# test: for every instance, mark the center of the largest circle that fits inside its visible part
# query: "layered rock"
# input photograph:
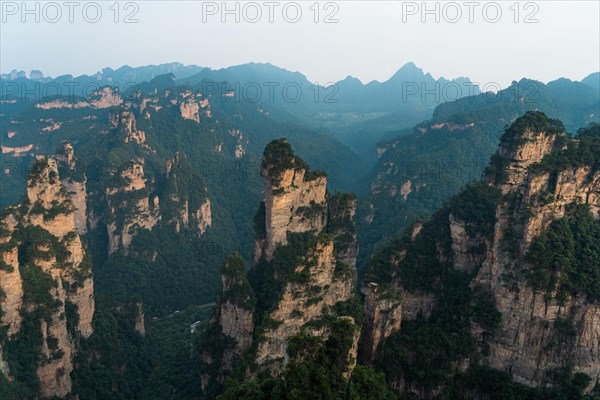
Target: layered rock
(75, 184)
(522, 145)
(190, 110)
(11, 282)
(41, 235)
(303, 277)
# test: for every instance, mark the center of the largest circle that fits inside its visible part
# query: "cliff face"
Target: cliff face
(292, 204)
(527, 341)
(296, 203)
(308, 298)
(541, 176)
(46, 276)
(129, 205)
(75, 187)
(303, 278)
(385, 310)
(136, 202)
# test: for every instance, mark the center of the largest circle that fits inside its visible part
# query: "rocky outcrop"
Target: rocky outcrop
(75, 184)
(140, 324)
(104, 98)
(340, 223)
(136, 202)
(185, 199)
(296, 202)
(129, 205)
(235, 310)
(383, 317)
(295, 198)
(78, 195)
(11, 283)
(40, 237)
(303, 287)
(521, 147)
(127, 124)
(467, 251)
(16, 151)
(191, 105)
(239, 146)
(385, 309)
(538, 176)
(527, 342)
(305, 300)
(202, 218)
(189, 109)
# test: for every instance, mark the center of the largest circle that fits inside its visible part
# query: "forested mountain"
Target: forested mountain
(335, 106)
(420, 169)
(495, 296)
(497, 293)
(168, 180)
(177, 239)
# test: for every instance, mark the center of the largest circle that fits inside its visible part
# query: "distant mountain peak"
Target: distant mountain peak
(408, 71)
(351, 80)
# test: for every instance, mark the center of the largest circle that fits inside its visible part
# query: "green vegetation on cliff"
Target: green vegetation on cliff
(534, 122)
(315, 372)
(420, 267)
(581, 151)
(566, 256)
(238, 290)
(279, 156)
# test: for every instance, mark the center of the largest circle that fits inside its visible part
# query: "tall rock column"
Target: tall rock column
(295, 197)
(46, 276)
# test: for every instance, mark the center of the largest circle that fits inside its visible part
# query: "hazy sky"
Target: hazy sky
(370, 40)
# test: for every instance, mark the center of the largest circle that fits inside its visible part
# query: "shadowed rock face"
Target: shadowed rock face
(232, 322)
(52, 213)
